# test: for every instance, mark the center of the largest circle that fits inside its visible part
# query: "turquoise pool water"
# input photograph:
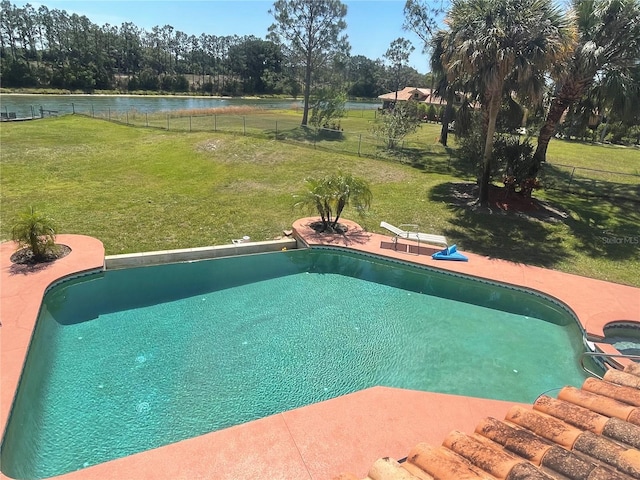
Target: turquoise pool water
(129, 360)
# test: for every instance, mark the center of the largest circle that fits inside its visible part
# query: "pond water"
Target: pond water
(30, 105)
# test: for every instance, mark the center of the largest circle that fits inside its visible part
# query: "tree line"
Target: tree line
(50, 48)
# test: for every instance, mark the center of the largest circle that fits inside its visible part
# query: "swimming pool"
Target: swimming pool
(125, 361)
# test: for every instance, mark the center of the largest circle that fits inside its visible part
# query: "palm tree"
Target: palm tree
(331, 194)
(608, 40)
(496, 40)
(615, 94)
(35, 231)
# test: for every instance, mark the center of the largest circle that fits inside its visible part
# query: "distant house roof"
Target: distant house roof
(424, 95)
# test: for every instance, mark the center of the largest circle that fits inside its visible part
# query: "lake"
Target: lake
(29, 105)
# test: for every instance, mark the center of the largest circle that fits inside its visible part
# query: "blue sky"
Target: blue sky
(371, 24)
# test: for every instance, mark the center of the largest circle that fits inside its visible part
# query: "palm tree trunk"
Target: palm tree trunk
(605, 128)
(446, 118)
(339, 208)
(485, 180)
(568, 94)
(556, 110)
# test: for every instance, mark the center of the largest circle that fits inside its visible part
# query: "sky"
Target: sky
(371, 24)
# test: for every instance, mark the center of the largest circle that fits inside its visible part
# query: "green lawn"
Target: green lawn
(139, 189)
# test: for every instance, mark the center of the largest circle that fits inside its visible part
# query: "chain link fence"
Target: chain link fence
(276, 126)
(430, 156)
(591, 182)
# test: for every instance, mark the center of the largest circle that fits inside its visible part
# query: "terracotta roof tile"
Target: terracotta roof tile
(414, 470)
(597, 403)
(517, 440)
(625, 394)
(622, 378)
(485, 454)
(544, 426)
(440, 462)
(588, 433)
(609, 452)
(389, 468)
(575, 415)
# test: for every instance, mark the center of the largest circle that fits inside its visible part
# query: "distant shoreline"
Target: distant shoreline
(169, 95)
(165, 95)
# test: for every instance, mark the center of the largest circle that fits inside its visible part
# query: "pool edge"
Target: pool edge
(594, 302)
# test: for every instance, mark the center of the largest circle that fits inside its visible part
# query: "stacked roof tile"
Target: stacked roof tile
(588, 433)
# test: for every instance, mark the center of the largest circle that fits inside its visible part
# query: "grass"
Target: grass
(139, 189)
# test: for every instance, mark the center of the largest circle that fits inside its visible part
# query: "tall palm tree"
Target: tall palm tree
(494, 40)
(616, 93)
(608, 40)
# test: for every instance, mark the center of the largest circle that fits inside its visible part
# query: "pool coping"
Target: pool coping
(320, 440)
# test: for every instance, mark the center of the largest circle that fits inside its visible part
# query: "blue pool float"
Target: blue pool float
(450, 253)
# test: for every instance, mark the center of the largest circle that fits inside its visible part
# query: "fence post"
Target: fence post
(359, 143)
(189, 122)
(127, 118)
(276, 129)
(215, 123)
(32, 112)
(109, 113)
(92, 112)
(244, 125)
(73, 108)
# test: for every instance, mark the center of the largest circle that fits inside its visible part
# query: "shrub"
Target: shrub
(398, 123)
(327, 108)
(432, 113)
(515, 160)
(329, 195)
(35, 231)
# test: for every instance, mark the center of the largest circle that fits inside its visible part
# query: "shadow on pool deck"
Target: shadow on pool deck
(325, 439)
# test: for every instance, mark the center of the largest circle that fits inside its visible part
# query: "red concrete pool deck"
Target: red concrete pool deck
(322, 440)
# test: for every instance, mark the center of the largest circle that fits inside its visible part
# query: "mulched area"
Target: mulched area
(319, 227)
(24, 256)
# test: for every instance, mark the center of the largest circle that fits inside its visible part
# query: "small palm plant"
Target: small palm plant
(331, 194)
(35, 231)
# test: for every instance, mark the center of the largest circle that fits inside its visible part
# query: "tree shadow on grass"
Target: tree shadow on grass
(605, 214)
(496, 233)
(604, 227)
(432, 160)
(601, 229)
